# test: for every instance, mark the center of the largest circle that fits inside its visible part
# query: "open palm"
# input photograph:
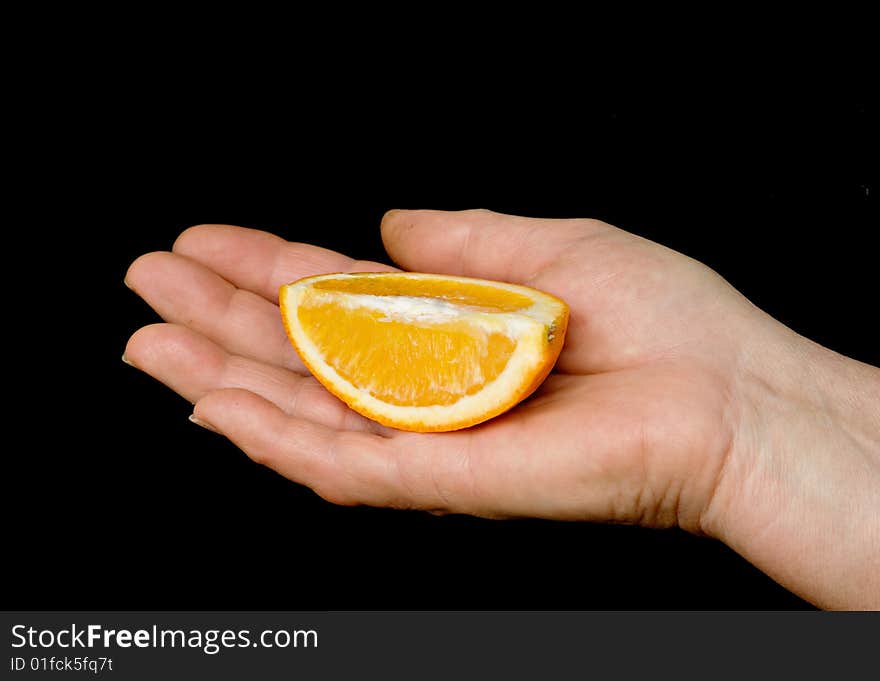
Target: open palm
(634, 424)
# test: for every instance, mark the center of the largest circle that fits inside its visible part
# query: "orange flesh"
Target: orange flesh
(404, 363)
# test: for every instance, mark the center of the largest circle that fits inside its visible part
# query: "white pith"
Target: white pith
(529, 327)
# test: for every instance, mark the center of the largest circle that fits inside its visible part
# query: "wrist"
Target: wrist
(799, 492)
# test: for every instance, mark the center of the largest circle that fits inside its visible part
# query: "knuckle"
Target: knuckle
(261, 457)
(479, 214)
(335, 495)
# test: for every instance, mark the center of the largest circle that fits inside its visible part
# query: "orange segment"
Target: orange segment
(424, 352)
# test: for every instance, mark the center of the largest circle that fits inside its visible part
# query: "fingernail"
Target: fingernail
(203, 424)
(125, 359)
(125, 281)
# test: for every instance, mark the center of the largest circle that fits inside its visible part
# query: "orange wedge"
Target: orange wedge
(424, 352)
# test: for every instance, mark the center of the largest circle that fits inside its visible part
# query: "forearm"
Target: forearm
(799, 495)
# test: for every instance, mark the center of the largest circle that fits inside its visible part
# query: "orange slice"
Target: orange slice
(424, 352)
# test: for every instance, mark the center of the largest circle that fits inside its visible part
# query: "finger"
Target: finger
(192, 366)
(345, 467)
(262, 262)
(185, 292)
(480, 243)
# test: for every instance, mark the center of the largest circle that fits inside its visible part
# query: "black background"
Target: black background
(116, 501)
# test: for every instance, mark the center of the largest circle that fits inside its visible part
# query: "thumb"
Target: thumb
(479, 243)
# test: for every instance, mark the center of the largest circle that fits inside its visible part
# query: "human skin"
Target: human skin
(675, 401)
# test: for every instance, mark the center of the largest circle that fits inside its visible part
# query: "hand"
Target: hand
(674, 402)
